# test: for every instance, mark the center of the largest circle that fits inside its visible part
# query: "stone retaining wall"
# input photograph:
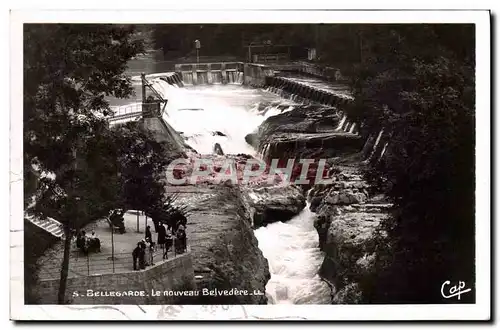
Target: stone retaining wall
(174, 274)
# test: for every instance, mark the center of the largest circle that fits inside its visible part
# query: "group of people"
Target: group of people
(143, 254)
(167, 238)
(86, 243)
(172, 237)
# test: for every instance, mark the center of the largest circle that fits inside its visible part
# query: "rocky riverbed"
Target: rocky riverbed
(308, 131)
(347, 221)
(347, 217)
(224, 250)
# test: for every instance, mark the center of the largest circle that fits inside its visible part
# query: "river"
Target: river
(291, 247)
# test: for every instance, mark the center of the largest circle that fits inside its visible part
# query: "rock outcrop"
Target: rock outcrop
(225, 252)
(304, 132)
(274, 203)
(348, 220)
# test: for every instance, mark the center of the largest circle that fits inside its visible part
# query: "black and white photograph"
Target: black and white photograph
(259, 168)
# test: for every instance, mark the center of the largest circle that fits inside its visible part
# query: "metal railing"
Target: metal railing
(124, 112)
(96, 263)
(134, 110)
(270, 57)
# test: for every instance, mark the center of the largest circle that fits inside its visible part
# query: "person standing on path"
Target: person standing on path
(148, 234)
(149, 252)
(161, 236)
(142, 255)
(168, 242)
(135, 255)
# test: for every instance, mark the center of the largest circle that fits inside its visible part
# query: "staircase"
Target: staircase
(49, 225)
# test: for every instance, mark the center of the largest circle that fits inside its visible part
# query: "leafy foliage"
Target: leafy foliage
(419, 86)
(228, 39)
(69, 69)
(141, 161)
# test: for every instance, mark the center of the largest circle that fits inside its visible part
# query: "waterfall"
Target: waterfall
(240, 78)
(353, 127)
(376, 143)
(202, 78)
(232, 77)
(200, 110)
(187, 78)
(344, 127)
(383, 151)
(216, 77)
(264, 151)
(291, 248)
(341, 123)
(294, 261)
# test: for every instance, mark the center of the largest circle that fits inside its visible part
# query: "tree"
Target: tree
(420, 88)
(142, 163)
(69, 69)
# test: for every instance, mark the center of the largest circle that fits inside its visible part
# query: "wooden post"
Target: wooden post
(143, 79)
(113, 247)
(143, 91)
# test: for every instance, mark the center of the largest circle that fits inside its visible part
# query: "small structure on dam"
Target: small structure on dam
(210, 73)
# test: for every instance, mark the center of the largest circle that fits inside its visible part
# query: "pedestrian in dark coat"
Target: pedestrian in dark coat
(162, 233)
(148, 234)
(135, 255)
(142, 256)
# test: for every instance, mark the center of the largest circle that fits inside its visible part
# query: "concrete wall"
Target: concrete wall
(164, 133)
(197, 70)
(324, 72)
(173, 274)
(255, 74)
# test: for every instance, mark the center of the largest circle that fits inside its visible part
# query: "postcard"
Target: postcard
(276, 165)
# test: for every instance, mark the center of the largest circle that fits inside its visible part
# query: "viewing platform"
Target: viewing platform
(112, 268)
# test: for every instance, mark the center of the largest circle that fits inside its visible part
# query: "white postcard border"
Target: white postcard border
(479, 311)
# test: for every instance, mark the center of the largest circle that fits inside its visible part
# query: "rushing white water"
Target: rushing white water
(291, 248)
(341, 123)
(294, 260)
(202, 111)
(353, 127)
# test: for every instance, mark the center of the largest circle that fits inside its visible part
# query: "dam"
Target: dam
(208, 104)
(233, 99)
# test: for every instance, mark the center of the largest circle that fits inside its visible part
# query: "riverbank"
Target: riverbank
(345, 215)
(323, 247)
(224, 250)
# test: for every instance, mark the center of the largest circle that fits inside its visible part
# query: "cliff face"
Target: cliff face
(347, 218)
(224, 249)
(347, 222)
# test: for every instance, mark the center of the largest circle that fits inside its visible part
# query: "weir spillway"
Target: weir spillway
(209, 98)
